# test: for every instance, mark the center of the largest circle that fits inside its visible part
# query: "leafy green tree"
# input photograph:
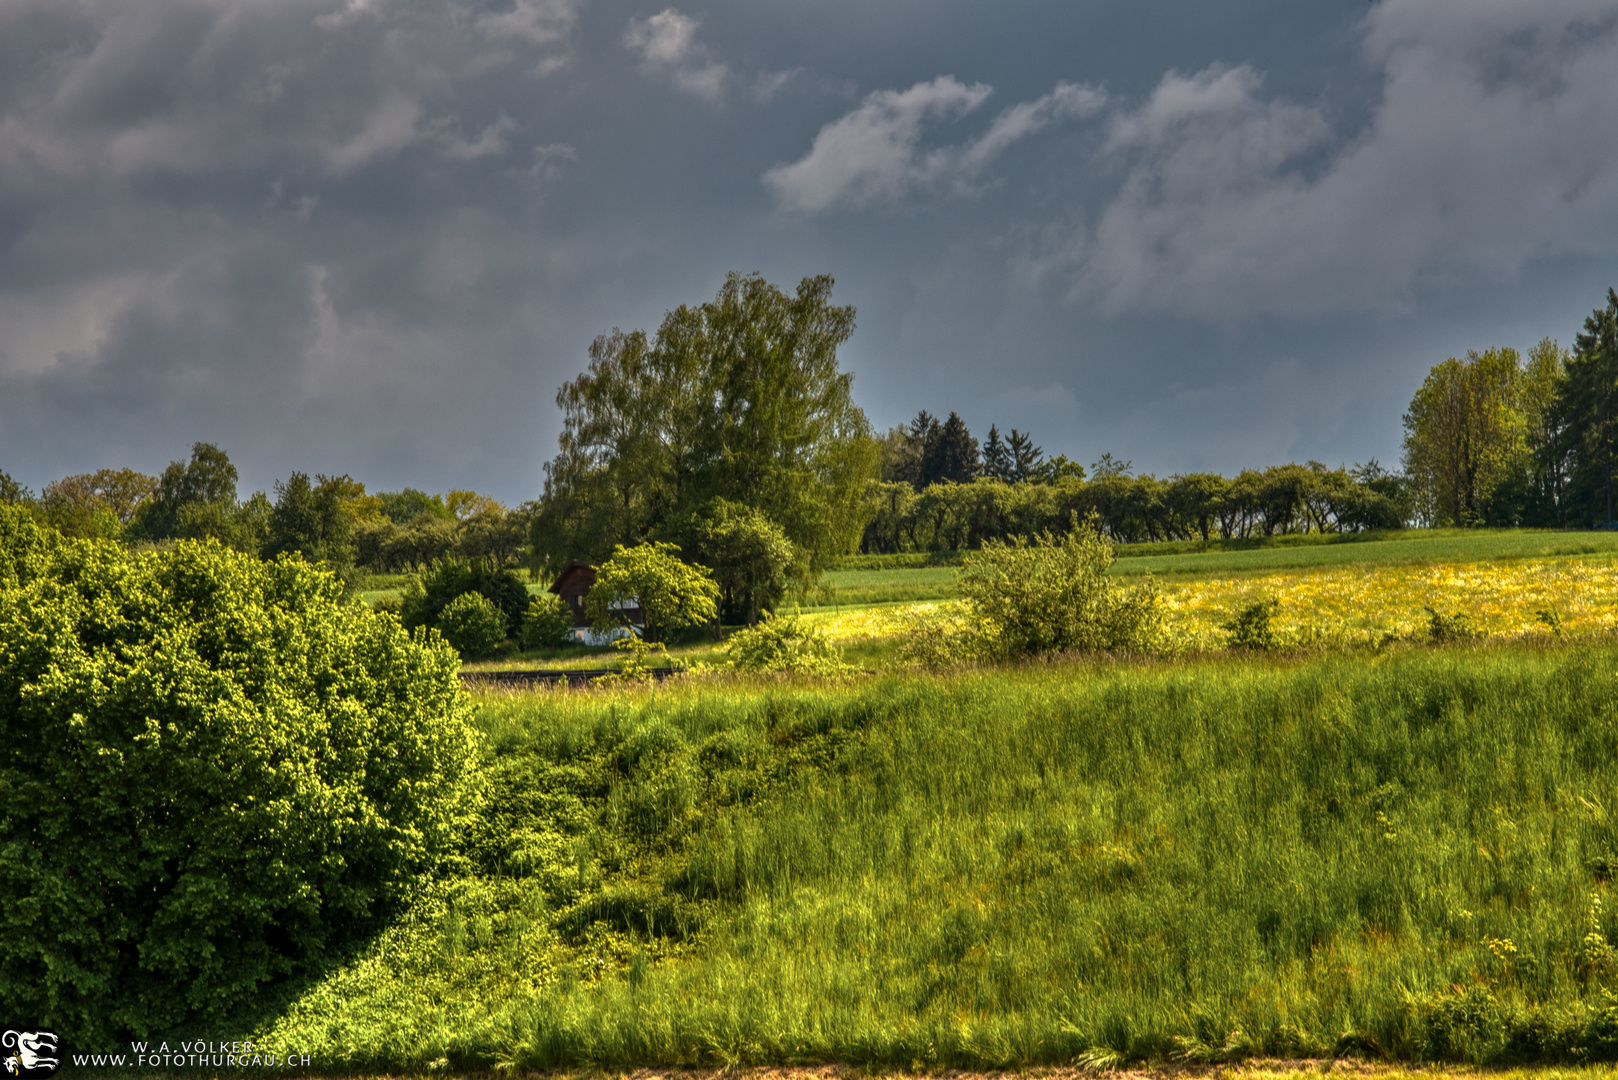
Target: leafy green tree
(207, 478)
(319, 520)
(1549, 447)
(669, 593)
(740, 398)
(218, 777)
(13, 492)
(403, 507)
(1464, 434)
(96, 504)
(473, 624)
(1196, 499)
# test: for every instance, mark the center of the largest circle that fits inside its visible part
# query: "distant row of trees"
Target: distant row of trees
(328, 519)
(1130, 509)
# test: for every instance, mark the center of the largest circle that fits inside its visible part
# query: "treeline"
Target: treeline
(328, 519)
(941, 491)
(950, 516)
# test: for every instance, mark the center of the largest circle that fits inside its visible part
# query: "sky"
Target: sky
(375, 237)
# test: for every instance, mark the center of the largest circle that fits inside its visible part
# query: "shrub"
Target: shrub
(779, 643)
(1444, 627)
(548, 622)
(1250, 628)
(216, 775)
(450, 577)
(472, 624)
(1052, 594)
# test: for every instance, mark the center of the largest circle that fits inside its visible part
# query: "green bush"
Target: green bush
(216, 775)
(472, 624)
(1250, 628)
(1053, 594)
(786, 643)
(548, 622)
(450, 577)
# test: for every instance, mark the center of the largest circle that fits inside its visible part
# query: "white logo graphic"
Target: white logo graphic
(30, 1051)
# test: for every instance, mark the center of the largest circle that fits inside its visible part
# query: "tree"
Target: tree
(1549, 448)
(12, 492)
(669, 593)
(997, 459)
(1586, 410)
(953, 456)
(1464, 433)
(208, 478)
(1025, 457)
(748, 554)
(740, 398)
(74, 503)
(218, 777)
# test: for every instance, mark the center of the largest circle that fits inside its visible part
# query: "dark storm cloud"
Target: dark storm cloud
(374, 236)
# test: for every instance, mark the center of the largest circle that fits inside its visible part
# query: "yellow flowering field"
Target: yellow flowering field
(1498, 598)
(1355, 602)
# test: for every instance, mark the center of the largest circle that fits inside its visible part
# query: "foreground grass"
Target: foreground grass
(1404, 857)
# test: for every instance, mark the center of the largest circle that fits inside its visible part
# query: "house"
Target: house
(571, 585)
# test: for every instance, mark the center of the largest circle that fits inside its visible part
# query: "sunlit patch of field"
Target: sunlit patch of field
(1370, 601)
(1352, 604)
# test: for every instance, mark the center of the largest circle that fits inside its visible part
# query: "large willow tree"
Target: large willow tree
(740, 398)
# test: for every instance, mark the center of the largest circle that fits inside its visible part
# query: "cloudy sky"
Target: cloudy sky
(375, 236)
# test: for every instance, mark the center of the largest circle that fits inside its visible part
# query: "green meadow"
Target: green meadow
(1405, 856)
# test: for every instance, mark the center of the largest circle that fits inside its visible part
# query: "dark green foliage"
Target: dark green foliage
(1025, 457)
(997, 460)
(13, 492)
(309, 519)
(472, 624)
(449, 577)
(953, 456)
(1250, 628)
(750, 557)
(548, 622)
(194, 499)
(216, 776)
(1587, 407)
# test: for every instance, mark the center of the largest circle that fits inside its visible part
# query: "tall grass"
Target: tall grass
(1405, 856)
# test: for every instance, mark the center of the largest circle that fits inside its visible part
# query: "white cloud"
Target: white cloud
(537, 22)
(874, 153)
(389, 128)
(491, 141)
(1488, 149)
(667, 45)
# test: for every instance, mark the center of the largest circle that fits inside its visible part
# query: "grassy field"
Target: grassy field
(1406, 856)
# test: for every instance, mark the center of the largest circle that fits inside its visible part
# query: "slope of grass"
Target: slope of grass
(1407, 856)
